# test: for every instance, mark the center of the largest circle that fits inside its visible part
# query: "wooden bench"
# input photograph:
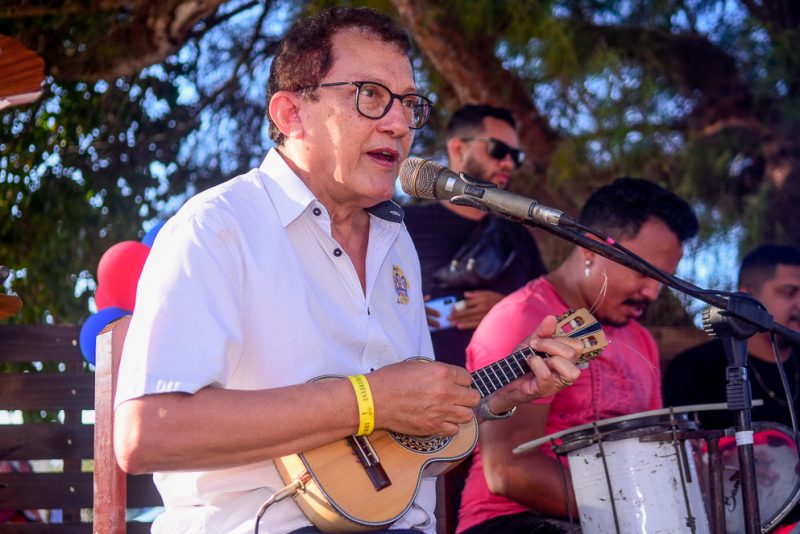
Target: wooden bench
(45, 374)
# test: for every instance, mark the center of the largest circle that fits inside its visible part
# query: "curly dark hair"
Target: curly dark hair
(759, 264)
(305, 55)
(468, 119)
(623, 206)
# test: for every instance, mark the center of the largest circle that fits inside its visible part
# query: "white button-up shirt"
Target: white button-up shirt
(245, 288)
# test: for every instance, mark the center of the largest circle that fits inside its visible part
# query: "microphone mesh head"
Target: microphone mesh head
(418, 177)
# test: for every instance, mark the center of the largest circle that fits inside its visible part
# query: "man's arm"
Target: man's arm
(217, 428)
(532, 479)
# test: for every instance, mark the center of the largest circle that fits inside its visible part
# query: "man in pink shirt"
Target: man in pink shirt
(525, 493)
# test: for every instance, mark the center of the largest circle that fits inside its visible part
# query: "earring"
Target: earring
(587, 264)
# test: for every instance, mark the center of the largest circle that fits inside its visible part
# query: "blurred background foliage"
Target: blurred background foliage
(147, 102)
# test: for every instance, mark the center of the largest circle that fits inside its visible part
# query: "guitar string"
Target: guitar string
(506, 367)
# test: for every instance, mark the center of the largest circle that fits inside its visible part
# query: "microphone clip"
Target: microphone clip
(474, 190)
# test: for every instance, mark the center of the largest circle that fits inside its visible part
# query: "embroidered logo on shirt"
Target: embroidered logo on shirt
(400, 284)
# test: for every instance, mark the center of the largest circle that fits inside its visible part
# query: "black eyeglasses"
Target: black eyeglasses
(499, 150)
(374, 100)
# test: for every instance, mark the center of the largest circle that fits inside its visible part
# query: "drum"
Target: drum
(777, 478)
(636, 474)
(639, 473)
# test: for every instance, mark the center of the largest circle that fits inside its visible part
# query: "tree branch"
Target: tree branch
(476, 75)
(776, 15)
(217, 20)
(25, 9)
(119, 42)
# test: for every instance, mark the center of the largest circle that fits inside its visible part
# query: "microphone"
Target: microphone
(426, 179)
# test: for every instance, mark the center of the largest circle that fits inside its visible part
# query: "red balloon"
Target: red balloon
(101, 298)
(119, 270)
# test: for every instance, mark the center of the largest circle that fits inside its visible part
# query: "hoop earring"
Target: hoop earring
(586, 271)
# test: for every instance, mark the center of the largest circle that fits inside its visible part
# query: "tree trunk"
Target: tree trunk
(476, 75)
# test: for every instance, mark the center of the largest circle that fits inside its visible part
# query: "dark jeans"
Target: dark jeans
(523, 523)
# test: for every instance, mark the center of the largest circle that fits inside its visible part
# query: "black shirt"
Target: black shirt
(697, 376)
(438, 233)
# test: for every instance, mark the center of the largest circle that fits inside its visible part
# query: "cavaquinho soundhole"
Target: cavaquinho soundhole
(422, 445)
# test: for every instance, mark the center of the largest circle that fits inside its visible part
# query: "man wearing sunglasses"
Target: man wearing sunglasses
(481, 141)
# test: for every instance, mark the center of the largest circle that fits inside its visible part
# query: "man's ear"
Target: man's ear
(745, 289)
(588, 255)
(455, 151)
(285, 113)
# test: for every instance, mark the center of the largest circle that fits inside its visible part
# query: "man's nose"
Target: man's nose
(507, 162)
(395, 121)
(650, 289)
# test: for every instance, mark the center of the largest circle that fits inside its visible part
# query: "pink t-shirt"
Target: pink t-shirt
(624, 379)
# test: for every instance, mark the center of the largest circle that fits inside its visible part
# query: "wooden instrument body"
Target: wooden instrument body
(365, 483)
(341, 497)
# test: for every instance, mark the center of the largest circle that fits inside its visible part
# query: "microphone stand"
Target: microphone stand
(733, 318)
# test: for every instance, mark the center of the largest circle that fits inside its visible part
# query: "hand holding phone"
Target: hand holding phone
(443, 306)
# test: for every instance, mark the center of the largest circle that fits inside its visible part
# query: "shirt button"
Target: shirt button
(337, 252)
(317, 212)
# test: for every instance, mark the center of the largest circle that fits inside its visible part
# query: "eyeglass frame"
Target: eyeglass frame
(392, 97)
(494, 142)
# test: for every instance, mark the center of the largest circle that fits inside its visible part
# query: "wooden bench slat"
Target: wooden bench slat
(72, 390)
(46, 391)
(43, 441)
(48, 528)
(31, 343)
(25, 491)
(142, 492)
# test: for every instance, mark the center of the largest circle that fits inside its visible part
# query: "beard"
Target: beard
(474, 169)
(640, 303)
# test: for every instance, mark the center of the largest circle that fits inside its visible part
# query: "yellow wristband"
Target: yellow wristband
(366, 408)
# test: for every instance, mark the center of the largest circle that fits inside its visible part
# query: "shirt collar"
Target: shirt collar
(388, 210)
(291, 196)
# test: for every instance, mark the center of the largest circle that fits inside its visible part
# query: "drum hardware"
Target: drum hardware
(684, 470)
(702, 462)
(727, 323)
(636, 465)
(608, 482)
(715, 488)
(777, 476)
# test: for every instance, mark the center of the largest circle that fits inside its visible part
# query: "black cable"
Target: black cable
(785, 382)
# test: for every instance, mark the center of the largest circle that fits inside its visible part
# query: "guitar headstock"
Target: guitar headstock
(580, 324)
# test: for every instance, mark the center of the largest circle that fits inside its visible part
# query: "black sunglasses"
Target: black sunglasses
(499, 150)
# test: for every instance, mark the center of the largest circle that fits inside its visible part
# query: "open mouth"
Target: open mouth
(637, 307)
(384, 156)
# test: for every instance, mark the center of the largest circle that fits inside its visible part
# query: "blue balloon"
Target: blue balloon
(92, 326)
(151, 234)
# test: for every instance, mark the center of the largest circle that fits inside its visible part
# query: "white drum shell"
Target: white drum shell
(645, 479)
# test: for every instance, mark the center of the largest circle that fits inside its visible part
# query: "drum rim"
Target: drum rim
(629, 429)
(674, 410)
